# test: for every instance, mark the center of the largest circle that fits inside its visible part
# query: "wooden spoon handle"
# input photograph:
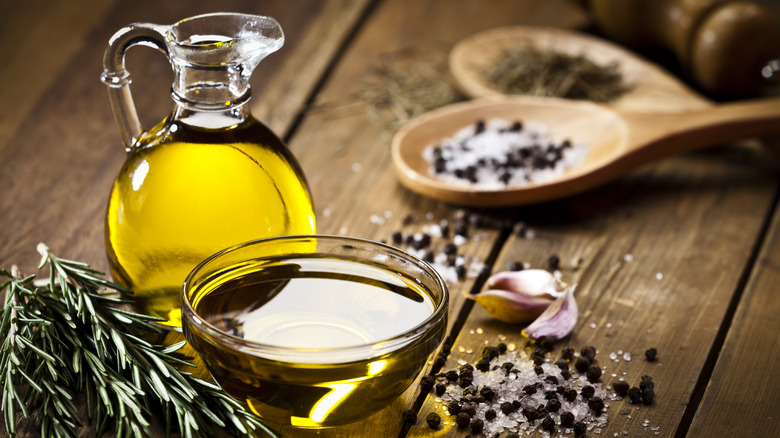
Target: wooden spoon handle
(671, 133)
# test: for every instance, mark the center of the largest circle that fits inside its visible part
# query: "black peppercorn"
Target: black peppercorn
(427, 382)
(570, 395)
(461, 229)
(463, 420)
(530, 413)
(589, 352)
(562, 365)
(483, 365)
(551, 379)
(515, 265)
(453, 408)
(488, 393)
(444, 227)
(553, 405)
(554, 262)
(452, 375)
(634, 395)
(548, 424)
(409, 416)
(566, 374)
(449, 248)
(580, 428)
(490, 352)
(582, 364)
(460, 271)
(621, 388)
(529, 389)
(567, 419)
(587, 392)
(465, 382)
(538, 370)
(647, 382)
(398, 237)
(651, 355)
(507, 366)
(596, 403)
(490, 415)
(567, 354)
(593, 374)
(434, 420)
(477, 425)
(502, 348)
(546, 343)
(441, 389)
(648, 395)
(507, 408)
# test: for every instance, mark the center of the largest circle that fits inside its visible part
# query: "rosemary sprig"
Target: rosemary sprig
(69, 334)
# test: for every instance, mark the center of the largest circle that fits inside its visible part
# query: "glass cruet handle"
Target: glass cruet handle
(117, 78)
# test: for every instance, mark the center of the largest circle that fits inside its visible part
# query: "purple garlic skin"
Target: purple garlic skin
(531, 295)
(519, 296)
(558, 320)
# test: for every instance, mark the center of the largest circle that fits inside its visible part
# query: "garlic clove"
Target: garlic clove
(557, 320)
(534, 282)
(511, 307)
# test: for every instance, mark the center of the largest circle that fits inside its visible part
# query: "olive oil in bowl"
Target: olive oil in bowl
(314, 331)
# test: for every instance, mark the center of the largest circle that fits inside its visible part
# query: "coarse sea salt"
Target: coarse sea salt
(500, 154)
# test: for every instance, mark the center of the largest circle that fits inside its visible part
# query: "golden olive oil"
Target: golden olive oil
(187, 192)
(319, 323)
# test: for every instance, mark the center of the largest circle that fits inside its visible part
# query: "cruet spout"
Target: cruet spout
(212, 57)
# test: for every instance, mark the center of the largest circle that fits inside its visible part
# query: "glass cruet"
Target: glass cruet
(209, 175)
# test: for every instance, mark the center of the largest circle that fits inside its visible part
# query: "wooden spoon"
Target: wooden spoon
(617, 141)
(651, 87)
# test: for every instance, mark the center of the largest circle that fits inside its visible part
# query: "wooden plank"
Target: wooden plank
(346, 158)
(33, 32)
(743, 393)
(652, 245)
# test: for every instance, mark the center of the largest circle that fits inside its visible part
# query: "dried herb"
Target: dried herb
(528, 70)
(405, 85)
(71, 335)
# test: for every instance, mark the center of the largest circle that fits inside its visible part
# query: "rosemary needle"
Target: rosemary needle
(69, 335)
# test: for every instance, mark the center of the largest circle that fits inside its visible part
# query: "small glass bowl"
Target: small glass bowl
(314, 331)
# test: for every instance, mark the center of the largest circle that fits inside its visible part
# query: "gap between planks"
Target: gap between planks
(465, 310)
(720, 338)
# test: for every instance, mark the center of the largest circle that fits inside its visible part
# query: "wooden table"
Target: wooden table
(682, 255)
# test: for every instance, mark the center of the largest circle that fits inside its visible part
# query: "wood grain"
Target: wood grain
(32, 33)
(743, 392)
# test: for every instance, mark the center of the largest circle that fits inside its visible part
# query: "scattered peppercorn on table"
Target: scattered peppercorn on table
(675, 264)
